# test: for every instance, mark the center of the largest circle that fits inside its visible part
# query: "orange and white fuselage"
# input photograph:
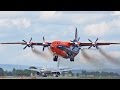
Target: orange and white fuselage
(54, 48)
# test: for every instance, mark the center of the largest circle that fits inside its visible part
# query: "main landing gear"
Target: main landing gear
(72, 59)
(55, 58)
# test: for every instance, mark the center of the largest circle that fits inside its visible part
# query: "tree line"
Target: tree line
(93, 73)
(97, 73)
(16, 72)
(26, 72)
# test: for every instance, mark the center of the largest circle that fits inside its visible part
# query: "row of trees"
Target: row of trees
(26, 72)
(95, 73)
(15, 72)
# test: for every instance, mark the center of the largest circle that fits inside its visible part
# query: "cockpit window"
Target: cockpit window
(74, 48)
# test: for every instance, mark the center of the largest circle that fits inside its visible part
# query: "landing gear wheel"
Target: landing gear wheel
(55, 58)
(72, 59)
(55, 75)
(44, 75)
(38, 73)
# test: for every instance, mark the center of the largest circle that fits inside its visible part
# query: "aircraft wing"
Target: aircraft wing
(30, 44)
(32, 67)
(36, 70)
(98, 44)
(65, 69)
(95, 44)
(22, 43)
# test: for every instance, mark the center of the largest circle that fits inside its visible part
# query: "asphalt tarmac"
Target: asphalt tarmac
(60, 77)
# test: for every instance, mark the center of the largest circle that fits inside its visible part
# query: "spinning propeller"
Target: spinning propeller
(28, 44)
(94, 44)
(45, 44)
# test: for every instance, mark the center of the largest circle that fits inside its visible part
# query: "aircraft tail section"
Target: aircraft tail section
(76, 35)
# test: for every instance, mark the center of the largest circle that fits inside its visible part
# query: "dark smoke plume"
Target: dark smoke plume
(109, 57)
(39, 53)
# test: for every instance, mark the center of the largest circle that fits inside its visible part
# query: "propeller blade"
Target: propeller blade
(43, 48)
(25, 47)
(90, 40)
(89, 47)
(43, 39)
(30, 40)
(78, 38)
(73, 47)
(31, 46)
(96, 40)
(24, 41)
(97, 47)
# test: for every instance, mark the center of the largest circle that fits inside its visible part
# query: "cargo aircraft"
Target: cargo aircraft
(65, 49)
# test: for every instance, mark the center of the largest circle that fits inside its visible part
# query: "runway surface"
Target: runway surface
(60, 77)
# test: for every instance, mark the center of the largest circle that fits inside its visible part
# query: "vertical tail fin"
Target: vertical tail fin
(76, 35)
